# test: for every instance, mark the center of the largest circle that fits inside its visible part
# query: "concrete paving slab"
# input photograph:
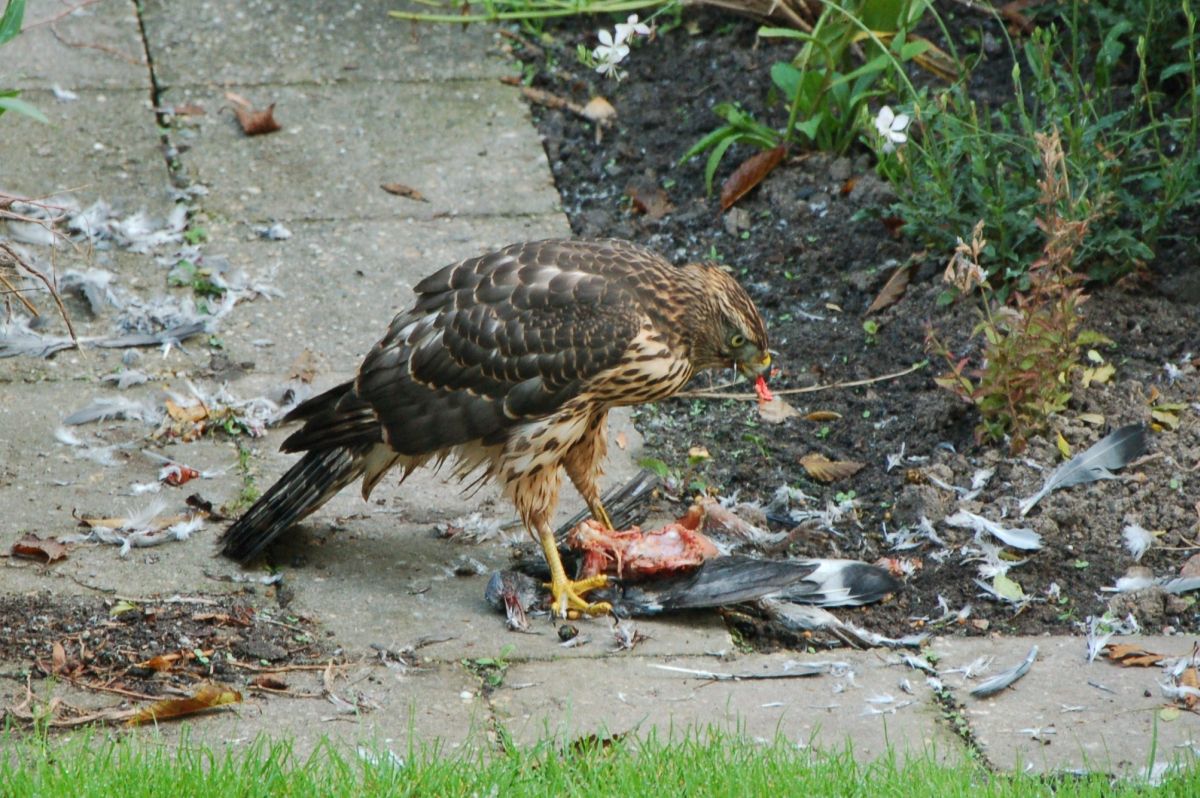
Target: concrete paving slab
(1055, 718)
(626, 693)
(439, 706)
(103, 145)
(96, 46)
(225, 42)
(464, 145)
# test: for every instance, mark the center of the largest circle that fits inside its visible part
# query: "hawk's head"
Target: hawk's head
(726, 329)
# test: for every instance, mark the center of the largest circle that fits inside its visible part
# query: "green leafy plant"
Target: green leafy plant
(10, 26)
(199, 279)
(1126, 105)
(490, 670)
(1032, 343)
(826, 96)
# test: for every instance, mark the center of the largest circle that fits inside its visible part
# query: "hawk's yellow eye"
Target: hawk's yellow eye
(736, 340)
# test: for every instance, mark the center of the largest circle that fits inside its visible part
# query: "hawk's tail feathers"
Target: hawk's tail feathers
(305, 487)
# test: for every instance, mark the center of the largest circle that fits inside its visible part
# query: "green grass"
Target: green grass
(93, 764)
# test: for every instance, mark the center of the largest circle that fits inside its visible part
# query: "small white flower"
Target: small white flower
(891, 127)
(610, 53)
(631, 27)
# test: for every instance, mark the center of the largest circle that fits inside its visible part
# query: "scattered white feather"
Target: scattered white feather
(182, 530)
(1137, 540)
(143, 518)
(127, 378)
(64, 95)
(66, 436)
(472, 528)
(117, 407)
(34, 233)
(1017, 537)
(275, 232)
(94, 285)
(973, 669)
(1102, 629)
(103, 455)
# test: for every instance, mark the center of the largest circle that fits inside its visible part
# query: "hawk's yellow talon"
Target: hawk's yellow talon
(567, 594)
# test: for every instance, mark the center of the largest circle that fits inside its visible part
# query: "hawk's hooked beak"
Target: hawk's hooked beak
(755, 365)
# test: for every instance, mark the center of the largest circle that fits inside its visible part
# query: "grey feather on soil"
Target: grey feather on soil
(1111, 452)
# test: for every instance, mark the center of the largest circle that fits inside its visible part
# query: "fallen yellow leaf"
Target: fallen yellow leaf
(821, 468)
(209, 696)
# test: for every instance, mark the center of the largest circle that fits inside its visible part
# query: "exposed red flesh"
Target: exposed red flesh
(635, 552)
(760, 388)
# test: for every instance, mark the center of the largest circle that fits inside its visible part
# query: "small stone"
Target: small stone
(1191, 567)
(737, 220)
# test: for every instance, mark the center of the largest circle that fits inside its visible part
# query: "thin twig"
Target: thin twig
(282, 625)
(717, 393)
(101, 688)
(64, 13)
(104, 48)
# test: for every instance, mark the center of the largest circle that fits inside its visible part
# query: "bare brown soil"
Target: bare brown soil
(810, 249)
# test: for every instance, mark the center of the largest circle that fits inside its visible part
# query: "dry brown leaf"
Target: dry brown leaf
(1190, 678)
(209, 696)
(34, 548)
(655, 204)
(163, 662)
(58, 656)
(268, 682)
(254, 123)
(622, 440)
(749, 174)
(1012, 13)
(894, 225)
(401, 190)
(1130, 656)
(776, 411)
(304, 367)
(599, 110)
(822, 469)
(823, 415)
(222, 619)
(190, 414)
(893, 289)
(188, 109)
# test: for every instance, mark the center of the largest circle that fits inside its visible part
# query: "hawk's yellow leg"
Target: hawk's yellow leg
(601, 515)
(568, 594)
